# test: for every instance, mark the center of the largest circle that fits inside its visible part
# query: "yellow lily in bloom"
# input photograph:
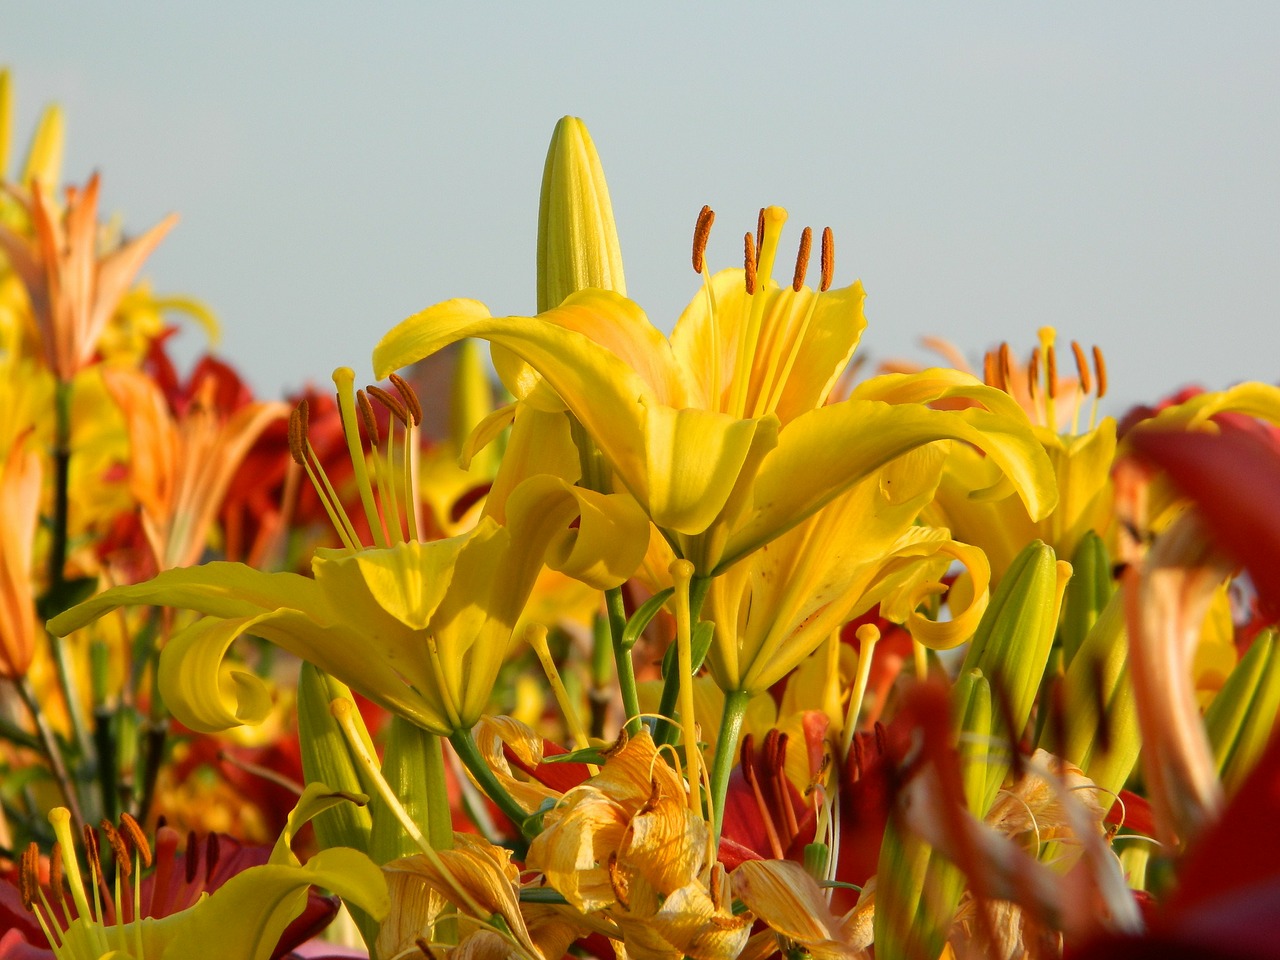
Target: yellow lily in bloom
(420, 628)
(723, 433)
(995, 519)
(243, 918)
(180, 466)
(73, 291)
(775, 608)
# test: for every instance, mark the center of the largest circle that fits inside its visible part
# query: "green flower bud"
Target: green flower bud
(1243, 714)
(1012, 643)
(577, 239)
(1100, 717)
(1088, 591)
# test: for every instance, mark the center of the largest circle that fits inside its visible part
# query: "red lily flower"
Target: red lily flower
(177, 882)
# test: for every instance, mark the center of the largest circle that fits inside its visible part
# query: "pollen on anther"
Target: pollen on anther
(298, 434)
(119, 852)
(1082, 367)
(1033, 372)
(706, 217)
(137, 839)
(759, 236)
(1005, 366)
(392, 403)
(749, 262)
(30, 875)
(828, 255)
(1051, 371)
(409, 396)
(91, 853)
(802, 259)
(366, 416)
(1101, 366)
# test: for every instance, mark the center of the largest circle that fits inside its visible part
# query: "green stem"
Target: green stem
(439, 819)
(57, 572)
(469, 754)
(617, 610)
(735, 710)
(61, 489)
(49, 744)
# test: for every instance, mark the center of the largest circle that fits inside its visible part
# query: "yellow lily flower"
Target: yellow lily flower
(243, 918)
(420, 628)
(995, 519)
(775, 608)
(723, 433)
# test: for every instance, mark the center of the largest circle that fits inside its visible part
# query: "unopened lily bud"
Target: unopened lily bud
(44, 156)
(1087, 593)
(979, 756)
(1243, 714)
(577, 238)
(1011, 646)
(1100, 720)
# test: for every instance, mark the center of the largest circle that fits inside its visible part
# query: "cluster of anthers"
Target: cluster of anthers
(112, 907)
(773, 328)
(1037, 385)
(388, 523)
(754, 245)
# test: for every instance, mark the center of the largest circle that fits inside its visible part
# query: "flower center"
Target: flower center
(1039, 389)
(388, 499)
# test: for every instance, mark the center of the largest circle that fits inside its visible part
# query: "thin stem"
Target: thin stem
(735, 710)
(469, 754)
(49, 744)
(622, 658)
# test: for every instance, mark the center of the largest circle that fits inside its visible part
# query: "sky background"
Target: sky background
(1112, 169)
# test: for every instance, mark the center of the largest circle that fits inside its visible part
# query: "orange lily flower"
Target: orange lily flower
(181, 464)
(20, 476)
(73, 291)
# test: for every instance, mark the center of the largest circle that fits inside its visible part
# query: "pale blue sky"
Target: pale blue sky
(1111, 169)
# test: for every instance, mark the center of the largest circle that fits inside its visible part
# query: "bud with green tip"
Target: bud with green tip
(577, 238)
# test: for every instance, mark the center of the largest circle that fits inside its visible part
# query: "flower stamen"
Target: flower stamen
(701, 232)
(828, 256)
(802, 259)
